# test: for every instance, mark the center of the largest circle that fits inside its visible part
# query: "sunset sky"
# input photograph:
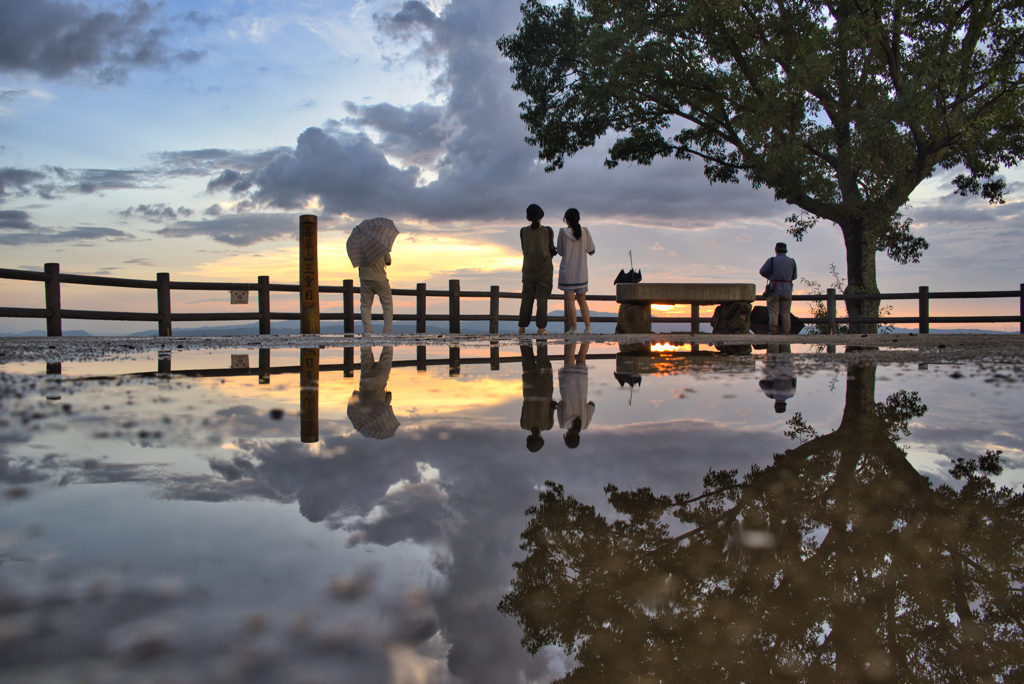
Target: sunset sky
(187, 137)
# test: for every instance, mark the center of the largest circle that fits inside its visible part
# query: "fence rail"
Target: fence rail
(54, 314)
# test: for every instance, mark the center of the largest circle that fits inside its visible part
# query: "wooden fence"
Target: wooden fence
(54, 314)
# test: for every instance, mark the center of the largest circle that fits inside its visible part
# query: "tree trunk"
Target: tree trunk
(861, 275)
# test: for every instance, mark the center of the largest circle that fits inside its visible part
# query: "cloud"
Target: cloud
(57, 40)
(18, 182)
(463, 160)
(657, 247)
(37, 235)
(156, 213)
(238, 229)
(411, 134)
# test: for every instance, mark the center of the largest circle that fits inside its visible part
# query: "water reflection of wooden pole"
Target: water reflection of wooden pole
(309, 395)
(495, 362)
(454, 362)
(264, 367)
(349, 362)
(421, 359)
(163, 362)
(51, 384)
(309, 277)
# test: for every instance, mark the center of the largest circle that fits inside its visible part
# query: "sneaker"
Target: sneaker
(588, 331)
(522, 331)
(542, 331)
(574, 331)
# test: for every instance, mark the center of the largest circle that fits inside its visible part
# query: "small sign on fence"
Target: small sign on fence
(239, 360)
(239, 296)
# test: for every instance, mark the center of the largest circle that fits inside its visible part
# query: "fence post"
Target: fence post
(1022, 308)
(309, 276)
(421, 307)
(263, 288)
(830, 311)
(348, 305)
(694, 318)
(495, 289)
(454, 292)
(163, 304)
(53, 319)
(922, 310)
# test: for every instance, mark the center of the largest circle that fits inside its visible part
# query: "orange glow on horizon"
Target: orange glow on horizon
(416, 259)
(666, 347)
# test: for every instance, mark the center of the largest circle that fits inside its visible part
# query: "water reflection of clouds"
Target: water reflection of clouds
(445, 484)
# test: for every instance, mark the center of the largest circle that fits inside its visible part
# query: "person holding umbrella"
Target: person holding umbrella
(369, 249)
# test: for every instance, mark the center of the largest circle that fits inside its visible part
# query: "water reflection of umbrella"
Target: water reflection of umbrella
(371, 240)
(371, 416)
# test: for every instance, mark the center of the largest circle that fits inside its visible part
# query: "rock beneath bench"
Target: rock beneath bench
(731, 318)
(634, 319)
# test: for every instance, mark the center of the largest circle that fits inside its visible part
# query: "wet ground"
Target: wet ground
(478, 509)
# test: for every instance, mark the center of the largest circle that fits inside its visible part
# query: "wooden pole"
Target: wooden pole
(309, 276)
(694, 318)
(163, 304)
(53, 319)
(309, 395)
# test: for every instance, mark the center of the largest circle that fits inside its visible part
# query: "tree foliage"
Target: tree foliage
(843, 108)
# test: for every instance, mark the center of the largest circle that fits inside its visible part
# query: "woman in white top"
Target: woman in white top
(574, 244)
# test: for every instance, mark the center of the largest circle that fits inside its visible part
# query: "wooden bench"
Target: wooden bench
(635, 300)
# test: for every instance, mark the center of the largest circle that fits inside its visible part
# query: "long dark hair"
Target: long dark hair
(573, 217)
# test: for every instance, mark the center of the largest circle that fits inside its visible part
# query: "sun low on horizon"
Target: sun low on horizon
(414, 259)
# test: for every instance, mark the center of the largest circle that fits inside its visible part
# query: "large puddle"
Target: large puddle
(522, 514)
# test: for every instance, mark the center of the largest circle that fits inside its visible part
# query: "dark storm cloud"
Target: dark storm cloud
(348, 174)
(412, 134)
(236, 229)
(60, 39)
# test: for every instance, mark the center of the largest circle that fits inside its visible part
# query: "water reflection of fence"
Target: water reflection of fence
(54, 314)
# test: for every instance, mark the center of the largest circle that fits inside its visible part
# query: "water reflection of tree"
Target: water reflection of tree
(839, 562)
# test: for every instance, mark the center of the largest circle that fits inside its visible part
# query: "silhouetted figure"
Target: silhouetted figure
(538, 388)
(538, 244)
(369, 408)
(574, 411)
(780, 383)
(780, 271)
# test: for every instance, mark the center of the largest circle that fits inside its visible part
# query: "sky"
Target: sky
(187, 137)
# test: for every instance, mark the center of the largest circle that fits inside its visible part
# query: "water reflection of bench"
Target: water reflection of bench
(635, 300)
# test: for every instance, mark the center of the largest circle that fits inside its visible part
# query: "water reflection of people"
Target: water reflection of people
(574, 411)
(538, 388)
(369, 408)
(780, 381)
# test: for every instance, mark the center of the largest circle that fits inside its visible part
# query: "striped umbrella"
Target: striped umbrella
(372, 417)
(371, 240)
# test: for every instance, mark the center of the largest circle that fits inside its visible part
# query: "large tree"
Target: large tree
(841, 107)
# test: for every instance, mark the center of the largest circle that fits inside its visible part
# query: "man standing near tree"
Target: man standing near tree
(780, 271)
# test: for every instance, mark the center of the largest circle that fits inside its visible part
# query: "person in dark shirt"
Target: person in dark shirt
(780, 271)
(538, 249)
